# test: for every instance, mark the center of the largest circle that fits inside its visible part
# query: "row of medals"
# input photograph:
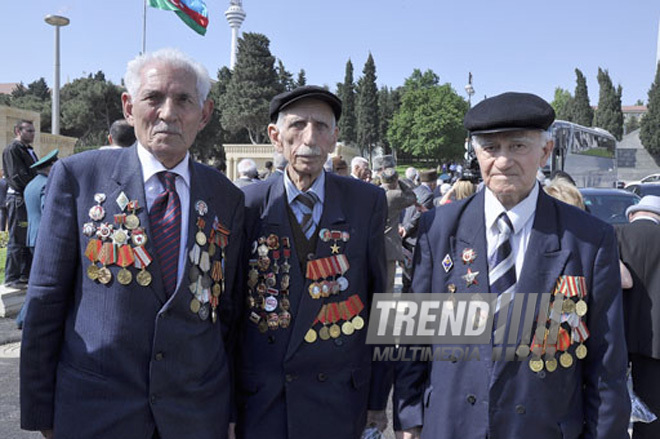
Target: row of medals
(104, 231)
(536, 363)
(263, 298)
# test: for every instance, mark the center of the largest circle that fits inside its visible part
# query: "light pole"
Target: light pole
(57, 21)
(469, 90)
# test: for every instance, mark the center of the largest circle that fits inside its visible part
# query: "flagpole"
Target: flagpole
(144, 28)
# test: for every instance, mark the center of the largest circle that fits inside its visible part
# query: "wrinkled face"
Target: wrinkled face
(361, 171)
(26, 133)
(165, 112)
(509, 162)
(305, 134)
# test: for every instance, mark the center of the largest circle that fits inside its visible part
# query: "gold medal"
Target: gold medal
(211, 249)
(124, 276)
(347, 328)
(551, 364)
(335, 331)
(568, 306)
(120, 236)
(581, 352)
(522, 351)
(104, 275)
(566, 360)
(195, 305)
(200, 238)
(358, 323)
(536, 365)
(581, 308)
(324, 333)
(93, 272)
(143, 278)
(132, 222)
(216, 290)
(310, 337)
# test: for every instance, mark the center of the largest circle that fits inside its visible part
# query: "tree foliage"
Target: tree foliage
(285, 77)
(649, 132)
(581, 110)
(34, 97)
(388, 104)
(608, 115)
(429, 122)
(367, 107)
(631, 124)
(254, 82)
(348, 121)
(562, 104)
(302, 78)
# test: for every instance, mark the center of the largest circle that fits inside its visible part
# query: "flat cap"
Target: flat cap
(509, 111)
(428, 176)
(383, 162)
(283, 100)
(648, 203)
(46, 160)
(389, 175)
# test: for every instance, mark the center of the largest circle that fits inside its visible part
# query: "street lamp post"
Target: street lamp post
(469, 90)
(57, 21)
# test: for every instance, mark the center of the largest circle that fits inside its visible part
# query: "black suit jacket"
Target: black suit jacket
(16, 162)
(639, 246)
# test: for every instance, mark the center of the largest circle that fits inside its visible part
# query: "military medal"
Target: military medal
(104, 276)
(141, 262)
(581, 352)
(132, 221)
(195, 305)
(203, 312)
(581, 308)
(89, 229)
(310, 336)
(358, 322)
(284, 319)
(124, 276)
(201, 208)
(566, 360)
(138, 237)
(97, 212)
(536, 365)
(447, 263)
(468, 256)
(143, 278)
(263, 326)
(93, 272)
(324, 333)
(568, 306)
(522, 351)
(200, 237)
(470, 277)
(347, 328)
(551, 364)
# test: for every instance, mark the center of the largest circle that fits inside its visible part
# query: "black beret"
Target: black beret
(509, 112)
(285, 99)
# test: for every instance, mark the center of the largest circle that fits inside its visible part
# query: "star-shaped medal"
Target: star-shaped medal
(471, 277)
(335, 248)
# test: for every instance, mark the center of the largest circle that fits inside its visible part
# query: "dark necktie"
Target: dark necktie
(165, 219)
(502, 274)
(307, 200)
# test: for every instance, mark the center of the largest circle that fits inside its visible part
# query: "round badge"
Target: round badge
(88, 229)
(97, 213)
(335, 331)
(104, 275)
(347, 328)
(536, 365)
(551, 365)
(204, 312)
(284, 303)
(566, 360)
(217, 290)
(201, 207)
(119, 236)
(581, 352)
(99, 197)
(310, 337)
(568, 306)
(200, 238)
(581, 308)
(263, 326)
(284, 319)
(206, 281)
(132, 222)
(270, 304)
(195, 305)
(143, 278)
(522, 351)
(124, 276)
(324, 234)
(138, 238)
(211, 249)
(324, 333)
(93, 272)
(314, 290)
(358, 323)
(343, 283)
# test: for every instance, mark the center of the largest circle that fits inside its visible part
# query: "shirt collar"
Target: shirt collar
(151, 166)
(318, 187)
(518, 214)
(644, 217)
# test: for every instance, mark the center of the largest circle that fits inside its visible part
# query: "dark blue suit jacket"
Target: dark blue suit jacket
(477, 399)
(114, 361)
(297, 390)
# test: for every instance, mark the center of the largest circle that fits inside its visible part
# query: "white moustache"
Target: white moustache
(165, 129)
(305, 150)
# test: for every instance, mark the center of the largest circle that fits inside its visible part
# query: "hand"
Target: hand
(402, 232)
(377, 418)
(413, 433)
(232, 430)
(48, 434)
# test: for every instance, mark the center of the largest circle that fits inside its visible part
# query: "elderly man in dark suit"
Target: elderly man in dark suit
(511, 241)
(639, 244)
(130, 302)
(316, 259)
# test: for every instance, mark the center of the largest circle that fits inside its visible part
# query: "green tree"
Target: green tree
(302, 78)
(285, 77)
(562, 104)
(254, 82)
(388, 104)
(429, 122)
(639, 102)
(649, 132)
(608, 115)
(34, 97)
(631, 124)
(367, 107)
(40, 89)
(346, 92)
(89, 106)
(580, 109)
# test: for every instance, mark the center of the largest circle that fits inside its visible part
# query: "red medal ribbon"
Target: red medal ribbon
(356, 302)
(216, 273)
(132, 206)
(93, 249)
(335, 234)
(142, 258)
(125, 257)
(321, 317)
(108, 255)
(563, 339)
(201, 223)
(120, 218)
(581, 333)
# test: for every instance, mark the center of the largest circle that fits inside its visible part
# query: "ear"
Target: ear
(274, 136)
(127, 106)
(547, 150)
(207, 113)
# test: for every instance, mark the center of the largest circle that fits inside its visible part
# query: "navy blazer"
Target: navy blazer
(114, 361)
(289, 388)
(501, 400)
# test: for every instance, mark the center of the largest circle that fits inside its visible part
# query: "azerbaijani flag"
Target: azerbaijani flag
(192, 12)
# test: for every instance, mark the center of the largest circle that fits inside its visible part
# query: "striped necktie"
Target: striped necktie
(502, 274)
(306, 201)
(165, 219)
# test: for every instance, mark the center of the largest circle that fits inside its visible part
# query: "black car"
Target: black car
(643, 189)
(609, 204)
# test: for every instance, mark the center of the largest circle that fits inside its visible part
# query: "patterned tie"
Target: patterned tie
(306, 201)
(165, 219)
(502, 274)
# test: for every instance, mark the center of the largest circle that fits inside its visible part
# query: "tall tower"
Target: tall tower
(235, 16)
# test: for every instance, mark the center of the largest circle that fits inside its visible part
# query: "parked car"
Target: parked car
(643, 189)
(609, 204)
(648, 179)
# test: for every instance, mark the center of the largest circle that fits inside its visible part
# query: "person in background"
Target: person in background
(268, 170)
(339, 166)
(34, 195)
(279, 162)
(563, 190)
(360, 168)
(459, 190)
(412, 177)
(3, 201)
(121, 135)
(17, 158)
(247, 173)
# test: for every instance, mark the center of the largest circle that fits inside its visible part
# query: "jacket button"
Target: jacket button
(288, 377)
(471, 399)
(520, 409)
(322, 377)
(160, 356)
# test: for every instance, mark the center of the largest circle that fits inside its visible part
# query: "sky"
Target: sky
(508, 45)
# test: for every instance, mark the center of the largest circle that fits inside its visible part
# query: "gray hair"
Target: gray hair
(174, 58)
(479, 139)
(248, 168)
(359, 161)
(412, 173)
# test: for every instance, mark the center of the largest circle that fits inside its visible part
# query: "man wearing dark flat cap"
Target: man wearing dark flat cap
(316, 257)
(511, 244)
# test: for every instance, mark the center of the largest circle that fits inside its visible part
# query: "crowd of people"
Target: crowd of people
(166, 301)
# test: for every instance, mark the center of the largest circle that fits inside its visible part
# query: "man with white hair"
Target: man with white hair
(129, 308)
(412, 175)
(247, 173)
(639, 246)
(360, 168)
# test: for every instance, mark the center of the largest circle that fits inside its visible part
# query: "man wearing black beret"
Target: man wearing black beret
(564, 375)
(316, 257)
